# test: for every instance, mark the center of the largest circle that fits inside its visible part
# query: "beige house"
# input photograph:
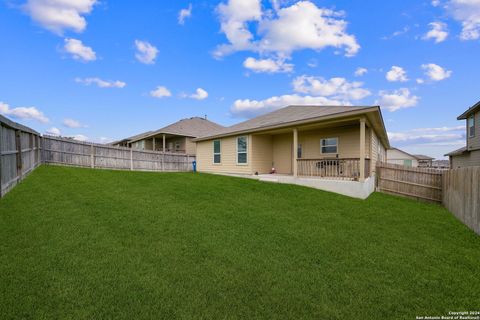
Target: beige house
(327, 142)
(403, 158)
(174, 138)
(470, 154)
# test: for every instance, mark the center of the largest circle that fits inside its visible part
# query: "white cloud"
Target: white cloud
(234, 17)
(398, 99)
(438, 32)
(53, 131)
(435, 72)
(200, 94)
(435, 3)
(71, 123)
(80, 137)
(250, 108)
(360, 72)
(146, 52)
(184, 14)
(24, 113)
(434, 141)
(335, 88)
(467, 12)
(396, 74)
(79, 51)
(397, 33)
(300, 26)
(420, 81)
(160, 92)
(267, 65)
(60, 15)
(101, 83)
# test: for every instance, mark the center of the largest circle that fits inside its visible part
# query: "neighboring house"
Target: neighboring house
(175, 138)
(335, 142)
(441, 164)
(403, 158)
(424, 161)
(470, 154)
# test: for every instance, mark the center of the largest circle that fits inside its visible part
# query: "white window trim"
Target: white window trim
(321, 152)
(220, 153)
(246, 152)
(468, 126)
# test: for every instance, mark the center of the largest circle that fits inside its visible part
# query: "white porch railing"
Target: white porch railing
(343, 169)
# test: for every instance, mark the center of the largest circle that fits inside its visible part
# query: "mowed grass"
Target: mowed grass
(94, 244)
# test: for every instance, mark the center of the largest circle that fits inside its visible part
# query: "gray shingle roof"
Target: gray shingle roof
(422, 157)
(472, 109)
(285, 116)
(457, 152)
(191, 127)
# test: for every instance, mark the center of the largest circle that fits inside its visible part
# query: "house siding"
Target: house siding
(190, 146)
(228, 151)
(283, 153)
(397, 157)
(262, 153)
(474, 142)
(348, 142)
(468, 159)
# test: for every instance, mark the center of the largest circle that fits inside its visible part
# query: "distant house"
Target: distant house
(470, 154)
(324, 142)
(400, 157)
(174, 138)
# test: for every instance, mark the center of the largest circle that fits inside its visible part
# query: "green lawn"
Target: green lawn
(90, 244)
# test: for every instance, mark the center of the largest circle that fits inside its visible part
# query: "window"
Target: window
(242, 150)
(471, 126)
(329, 145)
(407, 163)
(299, 151)
(177, 146)
(217, 158)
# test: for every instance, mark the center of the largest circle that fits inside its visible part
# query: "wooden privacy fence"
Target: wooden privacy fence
(83, 154)
(461, 195)
(417, 183)
(19, 153)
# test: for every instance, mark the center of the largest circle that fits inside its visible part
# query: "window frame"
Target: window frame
(246, 151)
(336, 145)
(217, 153)
(471, 128)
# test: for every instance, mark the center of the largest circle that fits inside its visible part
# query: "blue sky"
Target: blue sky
(102, 70)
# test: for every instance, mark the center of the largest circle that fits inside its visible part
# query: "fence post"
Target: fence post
(131, 159)
(18, 142)
(92, 156)
(1, 155)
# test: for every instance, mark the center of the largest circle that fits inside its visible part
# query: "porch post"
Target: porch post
(362, 150)
(295, 148)
(153, 143)
(163, 144)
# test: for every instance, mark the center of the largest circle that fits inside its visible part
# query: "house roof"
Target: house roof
(416, 156)
(135, 137)
(422, 157)
(457, 152)
(294, 115)
(191, 127)
(472, 109)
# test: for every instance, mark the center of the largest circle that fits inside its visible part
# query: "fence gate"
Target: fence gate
(417, 183)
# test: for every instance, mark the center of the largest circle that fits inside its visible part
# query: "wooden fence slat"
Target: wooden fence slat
(418, 183)
(461, 195)
(70, 152)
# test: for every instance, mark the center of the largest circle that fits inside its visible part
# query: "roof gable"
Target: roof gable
(473, 109)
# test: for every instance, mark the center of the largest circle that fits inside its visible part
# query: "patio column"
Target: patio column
(153, 143)
(163, 144)
(362, 150)
(295, 154)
